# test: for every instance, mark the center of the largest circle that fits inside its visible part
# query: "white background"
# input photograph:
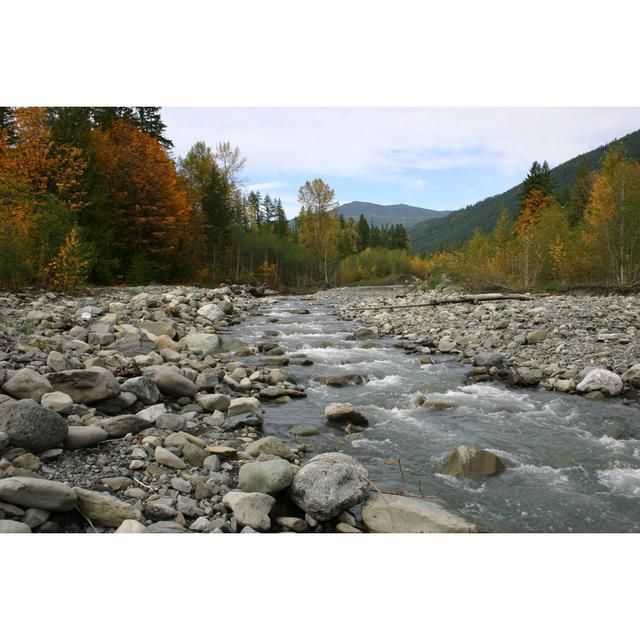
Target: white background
(322, 53)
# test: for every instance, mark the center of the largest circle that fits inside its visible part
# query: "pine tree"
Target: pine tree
(281, 223)
(268, 210)
(254, 209)
(363, 233)
(539, 177)
(219, 214)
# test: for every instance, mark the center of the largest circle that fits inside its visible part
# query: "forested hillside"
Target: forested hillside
(455, 229)
(380, 214)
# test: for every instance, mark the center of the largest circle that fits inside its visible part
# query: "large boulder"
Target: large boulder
(172, 383)
(37, 493)
(269, 476)
(472, 462)
(119, 426)
(104, 509)
(159, 327)
(602, 380)
(366, 333)
(250, 509)
(344, 412)
(85, 386)
(328, 484)
(31, 426)
(389, 513)
(27, 383)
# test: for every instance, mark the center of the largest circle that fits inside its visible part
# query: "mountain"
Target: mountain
(380, 214)
(457, 227)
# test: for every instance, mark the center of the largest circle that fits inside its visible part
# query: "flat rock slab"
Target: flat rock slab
(38, 493)
(389, 513)
(103, 509)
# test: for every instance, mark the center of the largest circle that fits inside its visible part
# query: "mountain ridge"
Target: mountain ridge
(381, 214)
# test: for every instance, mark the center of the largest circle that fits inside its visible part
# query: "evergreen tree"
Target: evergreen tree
(149, 120)
(254, 209)
(268, 209)
(7, 122)
(363, 233)
(539, 177)
(218, 212)
(281, 225)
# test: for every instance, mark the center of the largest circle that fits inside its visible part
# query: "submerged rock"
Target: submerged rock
(472, 462)
(344, 412)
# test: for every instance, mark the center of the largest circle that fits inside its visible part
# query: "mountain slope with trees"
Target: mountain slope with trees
(380, 214)
(454, 229)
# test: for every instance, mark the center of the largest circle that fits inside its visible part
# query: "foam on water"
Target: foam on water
(625, 482)
(487, 398)
(544, 472)
(387, 381)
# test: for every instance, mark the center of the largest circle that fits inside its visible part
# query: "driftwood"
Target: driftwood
(475, 299)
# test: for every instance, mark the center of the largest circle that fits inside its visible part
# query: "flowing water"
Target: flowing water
(567, 468)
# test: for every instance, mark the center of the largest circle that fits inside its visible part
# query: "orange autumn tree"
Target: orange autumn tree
(40, 196)
(147, 207)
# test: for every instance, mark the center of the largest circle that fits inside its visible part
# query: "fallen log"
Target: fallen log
(474, 299)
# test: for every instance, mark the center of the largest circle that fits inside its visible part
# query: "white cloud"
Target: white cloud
(263, 186)
(387, 142)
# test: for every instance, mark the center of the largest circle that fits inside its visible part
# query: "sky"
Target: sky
(436, 158)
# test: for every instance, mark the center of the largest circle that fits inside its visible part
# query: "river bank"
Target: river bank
(140, 410)
(554, 342)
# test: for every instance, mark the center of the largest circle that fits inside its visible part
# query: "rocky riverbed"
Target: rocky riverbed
(573, 344)
(132, 410)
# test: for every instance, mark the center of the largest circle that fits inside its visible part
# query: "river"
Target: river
(568, 467)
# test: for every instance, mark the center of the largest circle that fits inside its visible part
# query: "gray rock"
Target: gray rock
(165, 457)
(239, 406)
(38, 493)
(536, 336)
(472, 462)
(27, 384)
(446, 345)
(200, 342)
(211, 312)
(131, 526)
(214, 401)
(328, 484)
(56, 361)
(152, 413)
(601, 380)
(243, 420)
(82, 437)
(159, 327)
(142, 388)
(632, 376)
(104, 509)
(366, 333)
(172, 383)
(31, 426)
(488, 359)
(389, 513)
(119, 426)
(85, 386)
(57, 401)
(269, 477)
(344, 412)
(35, 517)
(271, 445)
(250, 509)
(13, 526)
(304, 431)
(171, 421)
(166, 526)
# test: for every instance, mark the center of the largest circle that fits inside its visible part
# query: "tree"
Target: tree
(195, 169)
(319, 224)
(281, 224)
(540, 178)
(268, 209)
(254, 215)
(146, 204)
(230, 162)
(579, 193)
(363, 233)
(613, 218)
(218, 213)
